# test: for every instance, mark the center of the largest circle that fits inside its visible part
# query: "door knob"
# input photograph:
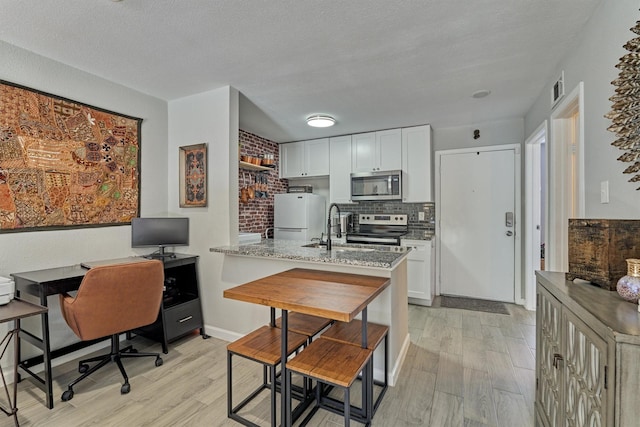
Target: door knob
(509, 233)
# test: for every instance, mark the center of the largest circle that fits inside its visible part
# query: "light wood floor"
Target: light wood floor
(464, 368)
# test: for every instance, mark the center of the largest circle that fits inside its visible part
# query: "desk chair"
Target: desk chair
(113, 299)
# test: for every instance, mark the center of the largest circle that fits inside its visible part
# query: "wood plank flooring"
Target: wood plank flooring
(463, 368)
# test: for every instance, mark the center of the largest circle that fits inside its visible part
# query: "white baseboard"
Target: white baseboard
(395, 370)
(222, 334)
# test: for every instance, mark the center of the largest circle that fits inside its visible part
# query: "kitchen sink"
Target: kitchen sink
(336, 248)
(313, 245)
(351, 249)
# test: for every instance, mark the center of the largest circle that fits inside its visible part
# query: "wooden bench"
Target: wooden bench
(334, 363)
(262, 346)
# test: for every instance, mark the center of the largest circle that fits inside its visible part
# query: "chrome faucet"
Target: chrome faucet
(339, 234)
(266, 232)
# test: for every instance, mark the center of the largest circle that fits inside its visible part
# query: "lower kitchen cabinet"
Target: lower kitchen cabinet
(180, 311)
(587, 355)
(420, 271)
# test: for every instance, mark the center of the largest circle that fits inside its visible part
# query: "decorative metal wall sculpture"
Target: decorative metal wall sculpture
(625, 112)
(65, 164)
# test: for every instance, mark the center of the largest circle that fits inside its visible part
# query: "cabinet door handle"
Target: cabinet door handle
(557, 358)
(186, 319)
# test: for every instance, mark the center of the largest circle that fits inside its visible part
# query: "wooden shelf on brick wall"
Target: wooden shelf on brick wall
(252, 167)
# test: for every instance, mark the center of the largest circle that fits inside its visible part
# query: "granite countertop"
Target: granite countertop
(370, 255)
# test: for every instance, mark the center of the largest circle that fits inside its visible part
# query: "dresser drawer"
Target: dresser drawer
(182, 319)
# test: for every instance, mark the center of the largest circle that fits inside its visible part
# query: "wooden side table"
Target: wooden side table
(15, 310)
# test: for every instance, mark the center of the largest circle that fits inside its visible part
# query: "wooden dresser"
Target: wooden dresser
(587, 355)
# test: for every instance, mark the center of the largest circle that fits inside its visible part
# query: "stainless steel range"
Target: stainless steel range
(379, 229)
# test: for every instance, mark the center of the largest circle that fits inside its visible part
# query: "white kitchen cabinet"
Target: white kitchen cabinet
(376, 151)
(340, 169)
(416, 164)
(420, 271)
(304, 158)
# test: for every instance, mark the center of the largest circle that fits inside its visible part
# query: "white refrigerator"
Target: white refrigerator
(298, 216)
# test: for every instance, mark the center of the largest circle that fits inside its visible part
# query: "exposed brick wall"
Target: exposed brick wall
(257, 215)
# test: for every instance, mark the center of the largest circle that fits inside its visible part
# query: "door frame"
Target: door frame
(558, 166)
(533, 204)
(517, 273)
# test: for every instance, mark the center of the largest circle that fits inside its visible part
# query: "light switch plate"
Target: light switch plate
(604, 192)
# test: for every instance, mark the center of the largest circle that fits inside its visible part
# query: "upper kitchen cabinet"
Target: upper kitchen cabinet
(376, 151)
(340, 169)
(304, 159)
(416, 164)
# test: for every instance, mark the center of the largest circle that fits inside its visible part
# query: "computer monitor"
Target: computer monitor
(160, 233)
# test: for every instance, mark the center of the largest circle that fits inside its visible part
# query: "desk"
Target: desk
(337, 296)
(180, 311)
(14, 311)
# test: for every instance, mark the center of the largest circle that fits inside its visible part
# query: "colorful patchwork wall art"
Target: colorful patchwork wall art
(65, 164)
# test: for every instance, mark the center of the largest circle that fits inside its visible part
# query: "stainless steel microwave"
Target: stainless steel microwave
(379, 185)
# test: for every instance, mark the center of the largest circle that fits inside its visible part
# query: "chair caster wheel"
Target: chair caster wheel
(67, 395)
(83, 368)
(126, 388)
(159, 361)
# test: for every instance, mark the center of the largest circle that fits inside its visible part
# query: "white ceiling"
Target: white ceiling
(371, 64)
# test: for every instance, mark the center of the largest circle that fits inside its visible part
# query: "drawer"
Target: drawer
(182, 319)
(420, 250)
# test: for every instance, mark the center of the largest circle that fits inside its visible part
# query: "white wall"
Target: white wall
(593, 61)
(212, 118)
(508, 131)
(25, 251)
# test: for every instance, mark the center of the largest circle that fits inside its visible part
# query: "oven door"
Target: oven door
(373, 240)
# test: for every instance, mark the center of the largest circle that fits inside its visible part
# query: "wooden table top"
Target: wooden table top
(18, 309)
(338, 296)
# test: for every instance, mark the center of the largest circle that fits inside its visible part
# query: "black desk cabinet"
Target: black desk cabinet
(180, 312)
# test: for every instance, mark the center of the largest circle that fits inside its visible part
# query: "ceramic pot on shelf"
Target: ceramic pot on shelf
(628, 286)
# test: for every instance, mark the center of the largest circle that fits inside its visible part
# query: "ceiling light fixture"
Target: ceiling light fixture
(318, 121)
(481, 93)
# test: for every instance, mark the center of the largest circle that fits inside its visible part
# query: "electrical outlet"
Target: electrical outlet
(420, 216)
(604, 192)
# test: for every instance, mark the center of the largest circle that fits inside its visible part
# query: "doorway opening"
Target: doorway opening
(535, 202)
(566, 177)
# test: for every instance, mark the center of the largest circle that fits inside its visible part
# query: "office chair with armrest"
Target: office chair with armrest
(113, 299)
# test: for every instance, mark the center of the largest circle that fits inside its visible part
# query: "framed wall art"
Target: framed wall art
(193, 176)
(65, 164)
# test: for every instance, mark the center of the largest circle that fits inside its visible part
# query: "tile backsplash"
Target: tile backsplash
(391, 207)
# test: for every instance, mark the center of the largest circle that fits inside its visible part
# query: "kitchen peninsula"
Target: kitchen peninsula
(245, 263)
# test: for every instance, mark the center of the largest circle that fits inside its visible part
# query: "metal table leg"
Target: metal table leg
(286, 377)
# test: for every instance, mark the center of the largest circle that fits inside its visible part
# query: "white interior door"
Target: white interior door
(477, 224)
